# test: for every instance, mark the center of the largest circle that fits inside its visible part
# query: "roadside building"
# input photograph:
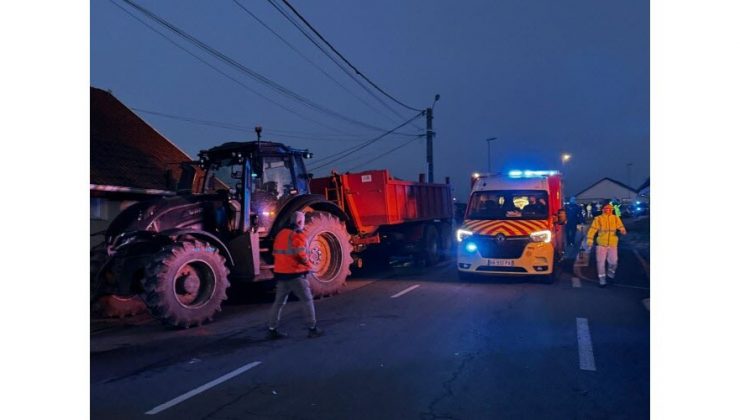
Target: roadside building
(129, 161)
(606, 189)
(643, 192)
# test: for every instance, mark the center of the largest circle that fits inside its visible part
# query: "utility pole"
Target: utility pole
(430, 147)
(430, 136)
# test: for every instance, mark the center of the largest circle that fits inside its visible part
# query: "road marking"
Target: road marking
(585, 349)
(404, 291)
(201, 388)
(576, 281)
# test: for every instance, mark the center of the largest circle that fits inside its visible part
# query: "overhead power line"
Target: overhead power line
(246, 70)
(382, 154)
(344, 153)
(331, 57)
(274, 134)
(357, 71)
(308, 60)
(221, 72)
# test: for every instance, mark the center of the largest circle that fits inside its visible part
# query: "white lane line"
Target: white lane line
(585, 349)
(576, 281)
(404, 291)
(201, 388)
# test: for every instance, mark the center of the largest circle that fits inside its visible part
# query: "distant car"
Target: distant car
(636, 209)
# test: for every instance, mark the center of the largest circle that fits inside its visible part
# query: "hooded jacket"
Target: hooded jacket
(606, 226)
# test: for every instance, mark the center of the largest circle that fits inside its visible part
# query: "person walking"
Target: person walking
(617, 207)
(574, 218)
(606, 225)
(291, 268)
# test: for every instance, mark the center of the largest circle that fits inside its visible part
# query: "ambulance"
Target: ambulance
(514, 225)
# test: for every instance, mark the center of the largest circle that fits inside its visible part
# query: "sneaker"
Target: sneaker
(275, 334)
(315, 332)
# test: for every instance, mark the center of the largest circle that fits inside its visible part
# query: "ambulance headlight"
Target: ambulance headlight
(462, 234)
(541, 236)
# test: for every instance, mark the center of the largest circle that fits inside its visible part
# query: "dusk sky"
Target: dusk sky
(543, 77)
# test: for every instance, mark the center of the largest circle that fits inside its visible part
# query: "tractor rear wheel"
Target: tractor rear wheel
(445, 242)
(186, 283)
(329, 251)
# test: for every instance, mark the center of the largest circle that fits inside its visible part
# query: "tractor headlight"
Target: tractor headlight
(462, 234)
(541, 236)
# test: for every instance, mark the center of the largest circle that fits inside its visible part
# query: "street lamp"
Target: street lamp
(489, 140)
(564, 158)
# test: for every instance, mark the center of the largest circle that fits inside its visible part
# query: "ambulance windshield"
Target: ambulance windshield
(508, 205)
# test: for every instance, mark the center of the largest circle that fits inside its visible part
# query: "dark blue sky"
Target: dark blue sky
(544, 77)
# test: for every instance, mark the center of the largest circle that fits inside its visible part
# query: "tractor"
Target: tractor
(178, 255)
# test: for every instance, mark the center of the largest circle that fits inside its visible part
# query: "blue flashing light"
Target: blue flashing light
(530, 174)
(471, 247)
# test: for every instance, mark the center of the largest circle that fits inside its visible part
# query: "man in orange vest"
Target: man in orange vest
(291, 268)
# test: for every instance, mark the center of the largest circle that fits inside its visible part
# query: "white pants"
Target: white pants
(606, 254)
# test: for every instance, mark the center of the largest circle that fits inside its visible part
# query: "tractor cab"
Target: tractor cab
(259, 176)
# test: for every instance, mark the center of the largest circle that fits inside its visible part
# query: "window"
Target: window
(277, 180)
(503, 205)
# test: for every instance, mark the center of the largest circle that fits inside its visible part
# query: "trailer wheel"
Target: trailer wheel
(329, 251)
(445, 242)
(186, 283)
(431, 245)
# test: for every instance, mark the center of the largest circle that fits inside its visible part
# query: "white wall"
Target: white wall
(606, 190)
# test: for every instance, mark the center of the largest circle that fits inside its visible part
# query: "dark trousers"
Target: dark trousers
(299, 287)
(570, 232)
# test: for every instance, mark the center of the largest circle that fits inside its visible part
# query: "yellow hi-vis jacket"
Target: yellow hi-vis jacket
(607, 227)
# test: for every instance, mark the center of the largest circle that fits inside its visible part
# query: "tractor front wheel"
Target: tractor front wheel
(186, 283)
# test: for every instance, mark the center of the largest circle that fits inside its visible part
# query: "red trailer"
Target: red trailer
(402, 217)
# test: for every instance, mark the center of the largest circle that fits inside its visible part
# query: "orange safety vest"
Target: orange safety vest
(289, 250)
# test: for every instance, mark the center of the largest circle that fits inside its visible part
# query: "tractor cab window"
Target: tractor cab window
(224, 176)
(275, 179)
(504, 205)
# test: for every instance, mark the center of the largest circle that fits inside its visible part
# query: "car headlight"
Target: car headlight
(471, 247)
(541, 236)
(462, 234)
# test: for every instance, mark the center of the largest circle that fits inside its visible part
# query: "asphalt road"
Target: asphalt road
(492, 348)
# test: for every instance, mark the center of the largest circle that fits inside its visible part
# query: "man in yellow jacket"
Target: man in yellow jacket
(606, 225)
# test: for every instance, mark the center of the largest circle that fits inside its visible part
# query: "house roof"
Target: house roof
(607, 179)
(125, 151)
(644, 185)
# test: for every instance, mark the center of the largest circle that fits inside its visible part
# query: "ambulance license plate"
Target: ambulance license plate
(500, 263)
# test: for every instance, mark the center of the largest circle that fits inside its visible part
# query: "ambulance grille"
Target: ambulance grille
(510, 248)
